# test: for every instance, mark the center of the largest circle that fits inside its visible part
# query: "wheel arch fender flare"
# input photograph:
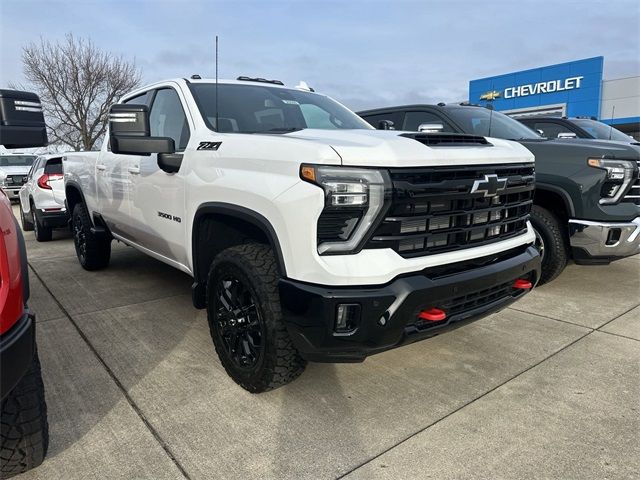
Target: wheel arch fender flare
(237, 212)
(562, 193)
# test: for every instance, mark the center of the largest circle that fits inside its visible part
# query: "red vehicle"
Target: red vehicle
(24, 429)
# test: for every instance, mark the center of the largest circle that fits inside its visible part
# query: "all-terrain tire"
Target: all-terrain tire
(42, 233)
(26, 223)
(279, 363)
(93, 252)
(25, 432)
(555, 243)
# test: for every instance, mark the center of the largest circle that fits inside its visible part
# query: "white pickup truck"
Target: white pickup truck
(310, 235)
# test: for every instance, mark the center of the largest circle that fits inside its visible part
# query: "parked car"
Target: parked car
(42, 206)
(14, 167)
(587, 201)
(24, 435)
(310, 235)
(575, 127)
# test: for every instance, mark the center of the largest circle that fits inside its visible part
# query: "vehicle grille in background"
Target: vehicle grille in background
(434, 211)
(633, 195)
(15, 180)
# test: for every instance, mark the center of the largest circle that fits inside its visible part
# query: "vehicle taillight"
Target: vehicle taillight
(11, 288)
(43, 181)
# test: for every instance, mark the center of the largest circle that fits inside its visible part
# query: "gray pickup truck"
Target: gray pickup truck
(587, 200)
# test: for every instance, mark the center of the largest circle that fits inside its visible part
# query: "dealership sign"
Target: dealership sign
(551, 86)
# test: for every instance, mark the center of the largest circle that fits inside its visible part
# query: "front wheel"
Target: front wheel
(93, 252)
(245, 319)
(552, 242)
(25, 431)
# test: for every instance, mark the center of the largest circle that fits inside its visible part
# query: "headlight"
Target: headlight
(619, 175)
(354, 200)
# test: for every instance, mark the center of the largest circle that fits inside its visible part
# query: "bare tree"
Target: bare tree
(77, 84)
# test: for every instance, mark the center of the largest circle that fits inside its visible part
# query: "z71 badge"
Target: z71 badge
(209, 145)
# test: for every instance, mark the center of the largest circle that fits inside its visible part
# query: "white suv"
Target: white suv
(13, 171)
(42, 206)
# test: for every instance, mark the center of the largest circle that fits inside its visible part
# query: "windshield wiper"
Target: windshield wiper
(278, 130)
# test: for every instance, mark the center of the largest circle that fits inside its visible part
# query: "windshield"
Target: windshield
(488, 123)
(263, 109)
(16, 160)
(600, 130)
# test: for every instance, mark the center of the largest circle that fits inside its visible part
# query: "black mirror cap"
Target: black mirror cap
(386, 125)
(170, 162)
(132, 145)
(129, 120)
(21, 120)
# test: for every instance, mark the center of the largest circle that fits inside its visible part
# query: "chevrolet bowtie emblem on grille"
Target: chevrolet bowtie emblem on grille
(490, 95)
(490, 185)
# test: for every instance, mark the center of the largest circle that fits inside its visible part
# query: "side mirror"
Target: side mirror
(540, 132)
(385, 125)
(129, 132)
(430, 127)
(567, 135)
(21, 120)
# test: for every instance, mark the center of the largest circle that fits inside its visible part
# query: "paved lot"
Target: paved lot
(547, 389)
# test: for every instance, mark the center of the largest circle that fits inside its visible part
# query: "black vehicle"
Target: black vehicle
(25, 435)
(587, 200)
(575, 127)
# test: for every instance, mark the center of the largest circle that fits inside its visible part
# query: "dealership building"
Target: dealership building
(572, 89)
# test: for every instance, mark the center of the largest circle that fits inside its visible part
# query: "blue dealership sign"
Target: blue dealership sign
(577, 85)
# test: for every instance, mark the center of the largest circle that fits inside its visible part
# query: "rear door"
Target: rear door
(113, 177)
(157, 197)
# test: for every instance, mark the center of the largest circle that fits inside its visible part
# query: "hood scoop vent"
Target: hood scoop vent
(448, 139)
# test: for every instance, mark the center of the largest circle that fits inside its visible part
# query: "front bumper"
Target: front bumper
(12, 193)
(389, 313)
(17, 347)
(602, 242)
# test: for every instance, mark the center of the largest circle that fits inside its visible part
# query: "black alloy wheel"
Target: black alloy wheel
(239, 322)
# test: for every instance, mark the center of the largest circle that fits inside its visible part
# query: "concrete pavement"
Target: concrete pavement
(547, 389)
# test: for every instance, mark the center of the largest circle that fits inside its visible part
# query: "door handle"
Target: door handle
(134, 170)
(100, 167)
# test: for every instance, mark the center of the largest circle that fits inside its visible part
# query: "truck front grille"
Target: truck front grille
(633, 195)
(15, 180)
(443, 209)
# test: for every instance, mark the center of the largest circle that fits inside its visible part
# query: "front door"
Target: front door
(157, 203)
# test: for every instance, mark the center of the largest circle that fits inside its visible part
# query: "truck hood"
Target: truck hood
(590, 147)
(15, 170)
(387, 148)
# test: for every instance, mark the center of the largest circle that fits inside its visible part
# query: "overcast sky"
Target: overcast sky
(363, 53)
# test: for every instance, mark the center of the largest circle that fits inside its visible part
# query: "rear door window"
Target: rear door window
(53, 166)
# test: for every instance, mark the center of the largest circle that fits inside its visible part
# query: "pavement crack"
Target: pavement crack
(113, 376)
(479, 397)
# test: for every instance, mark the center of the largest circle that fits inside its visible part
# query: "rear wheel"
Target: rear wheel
(245, 319)
(552, 242)
(25, 431)
(42, 233)
(27, 223)
(93, 251)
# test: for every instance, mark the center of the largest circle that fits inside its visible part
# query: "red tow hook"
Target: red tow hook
(522, 284)
(432, 315)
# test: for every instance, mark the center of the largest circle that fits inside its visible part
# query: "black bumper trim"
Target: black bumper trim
(309, 310)
(17, 347)
(53, 219)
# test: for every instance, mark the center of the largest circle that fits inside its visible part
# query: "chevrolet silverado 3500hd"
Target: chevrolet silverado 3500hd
(310, 235)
